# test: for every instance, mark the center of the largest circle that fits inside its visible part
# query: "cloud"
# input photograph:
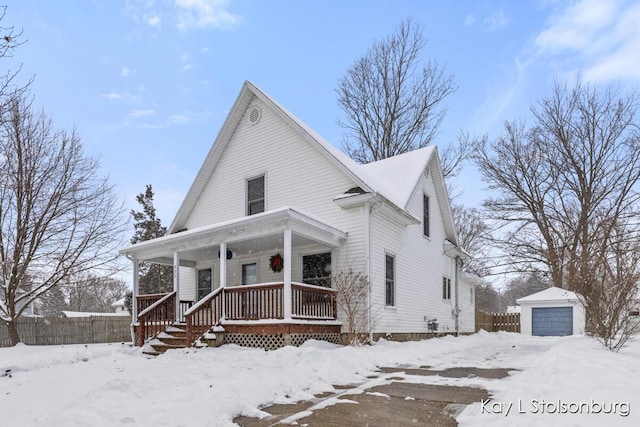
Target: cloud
(178, 119)
(141, 113)
(577, 26)
(153, 21)
(203, 14)
(124, 71)
(469, 20)
(495, 21)
(596, 38)
(112, 96)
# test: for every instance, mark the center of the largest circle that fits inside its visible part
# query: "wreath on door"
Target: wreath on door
(276, 263)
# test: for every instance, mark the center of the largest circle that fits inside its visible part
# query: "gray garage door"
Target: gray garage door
(551, 321)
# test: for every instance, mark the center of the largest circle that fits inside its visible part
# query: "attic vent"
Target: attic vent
(355, 190)
(426, 172)
(255, 115)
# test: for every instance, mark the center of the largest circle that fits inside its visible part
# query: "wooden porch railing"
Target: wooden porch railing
(203, 315)
(156, 317)
(184, 307)
(253, 302)
(144, 301)
(313, 302)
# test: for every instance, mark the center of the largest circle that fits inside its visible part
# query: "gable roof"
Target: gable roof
(394, 178)
(550, 294)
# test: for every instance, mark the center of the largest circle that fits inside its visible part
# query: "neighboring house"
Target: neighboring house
(513, 309)
(287, 210)
(119, 306)
(28, 311)
(552, 312)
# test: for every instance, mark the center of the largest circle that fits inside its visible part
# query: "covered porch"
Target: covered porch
(233, 287)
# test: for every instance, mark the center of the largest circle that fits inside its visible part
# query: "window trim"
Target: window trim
(393, 281)
(446, 288)
(248, 262)
(318, 252)
(198, 270)
(426, 215)
(264, 193)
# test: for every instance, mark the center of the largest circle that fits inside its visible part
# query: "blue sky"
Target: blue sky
(148, 83)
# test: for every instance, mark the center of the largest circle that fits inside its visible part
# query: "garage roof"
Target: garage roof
(551, 294)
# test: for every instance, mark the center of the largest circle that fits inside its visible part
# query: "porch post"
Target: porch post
(134, 299)
(176, 282)
(287, 275)
(223, 276)
(136, 290)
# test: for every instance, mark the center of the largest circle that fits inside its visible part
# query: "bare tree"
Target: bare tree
(10, 39)
(57, 215)
(353, 290)
(392, 99)
(91, 293)
(566, 190)
(474, 236)
(488, 298)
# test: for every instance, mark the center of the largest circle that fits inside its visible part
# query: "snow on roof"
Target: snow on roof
(119, 303)
(396, 177)
(89, 314)
(551, 294)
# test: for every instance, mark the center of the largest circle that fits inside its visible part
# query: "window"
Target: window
(471, 295)
(425, 215)
(316, 269)
(255, 195)
(204, 283)
(446, 288)
(250, 273)
(390, 282)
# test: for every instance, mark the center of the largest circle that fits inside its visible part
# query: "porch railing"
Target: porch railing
(253, 302)
(156, 317)
(313, 302)
(184, 307)
(144, 301)
(203, 315)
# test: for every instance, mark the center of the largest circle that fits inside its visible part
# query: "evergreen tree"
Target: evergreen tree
(153, 278)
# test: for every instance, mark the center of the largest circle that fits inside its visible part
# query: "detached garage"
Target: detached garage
(552, 312)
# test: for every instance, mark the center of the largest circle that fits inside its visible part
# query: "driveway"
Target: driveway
(398, 396)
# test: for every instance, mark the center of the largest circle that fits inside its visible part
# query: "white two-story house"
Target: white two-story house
(276, 211)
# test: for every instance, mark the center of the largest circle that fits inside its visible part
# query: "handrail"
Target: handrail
(310, 286)
(203, 301)
(156, 317)
(204, 315)
(156, 304)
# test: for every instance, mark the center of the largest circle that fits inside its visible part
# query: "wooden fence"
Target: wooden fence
(73, 330)
(492, 322)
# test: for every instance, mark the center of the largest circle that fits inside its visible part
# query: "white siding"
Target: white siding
(420, 267)
(296, 174)
(187, 284)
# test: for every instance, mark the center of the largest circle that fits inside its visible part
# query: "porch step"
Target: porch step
(171, 338)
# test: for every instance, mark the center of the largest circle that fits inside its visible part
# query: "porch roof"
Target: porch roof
(249, 233)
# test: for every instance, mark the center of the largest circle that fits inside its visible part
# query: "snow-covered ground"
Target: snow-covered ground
(113, 385)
